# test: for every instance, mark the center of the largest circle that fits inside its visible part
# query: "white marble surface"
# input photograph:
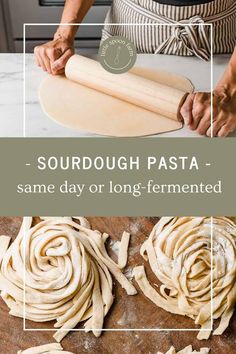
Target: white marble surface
(37, 124)
(11, 95)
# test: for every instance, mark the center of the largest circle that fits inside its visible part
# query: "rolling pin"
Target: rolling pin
(147, 94)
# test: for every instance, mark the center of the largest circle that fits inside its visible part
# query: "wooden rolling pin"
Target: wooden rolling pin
(150, 95)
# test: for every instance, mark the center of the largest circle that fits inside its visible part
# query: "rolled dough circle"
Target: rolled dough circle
(84, 109)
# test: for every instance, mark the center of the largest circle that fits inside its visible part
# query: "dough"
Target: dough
(67, 274)
(52, 348)
(179, 253)
(187, 350)
(141, 102)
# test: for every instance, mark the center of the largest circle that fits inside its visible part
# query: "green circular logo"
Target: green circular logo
(117, 54)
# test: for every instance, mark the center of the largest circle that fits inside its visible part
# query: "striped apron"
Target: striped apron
(181, 30)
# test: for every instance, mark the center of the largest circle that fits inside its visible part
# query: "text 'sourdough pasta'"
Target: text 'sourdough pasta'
(67, 274)
(179, 253)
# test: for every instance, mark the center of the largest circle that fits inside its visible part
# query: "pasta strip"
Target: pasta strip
(52, 348)
(123, 250)
(187, 350)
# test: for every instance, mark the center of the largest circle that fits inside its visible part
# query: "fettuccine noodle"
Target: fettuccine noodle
(187, 350)
(52, 348)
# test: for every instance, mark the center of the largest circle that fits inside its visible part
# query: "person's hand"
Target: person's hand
(53, 56)
(224, 116)
(196, 112)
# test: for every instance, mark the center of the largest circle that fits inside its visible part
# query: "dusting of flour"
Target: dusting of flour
(115, 245)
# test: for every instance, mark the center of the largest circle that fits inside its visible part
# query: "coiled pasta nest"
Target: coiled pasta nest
(198, 278)
(59, 270)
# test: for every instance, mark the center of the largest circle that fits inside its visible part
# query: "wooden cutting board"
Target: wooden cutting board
(128, 312)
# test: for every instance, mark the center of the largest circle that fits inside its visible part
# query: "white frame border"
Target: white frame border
(24, 135)
(102, 24)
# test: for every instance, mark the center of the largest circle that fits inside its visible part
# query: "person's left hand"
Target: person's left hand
(196, 112)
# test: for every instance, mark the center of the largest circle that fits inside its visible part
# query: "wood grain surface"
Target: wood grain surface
(128, 312)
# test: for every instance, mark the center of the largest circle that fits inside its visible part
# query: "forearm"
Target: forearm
(228, 80)
(74, 12)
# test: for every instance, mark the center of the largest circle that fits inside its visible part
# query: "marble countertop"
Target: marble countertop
(37, 124)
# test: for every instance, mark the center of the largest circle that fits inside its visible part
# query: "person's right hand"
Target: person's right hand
(53, 56)
(196, 112)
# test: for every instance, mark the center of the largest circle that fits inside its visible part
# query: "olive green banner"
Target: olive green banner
(105, 177)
